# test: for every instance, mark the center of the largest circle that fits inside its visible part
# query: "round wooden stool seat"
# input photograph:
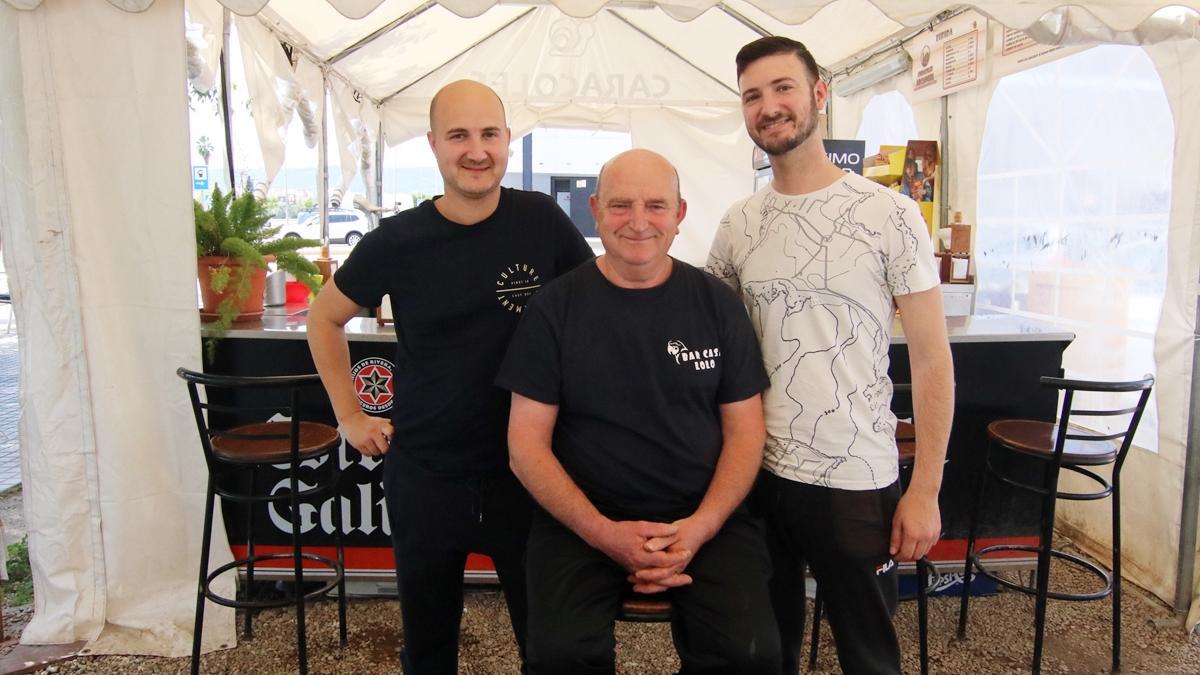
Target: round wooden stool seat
(1037, 438)
(269, 442)
(645, 607)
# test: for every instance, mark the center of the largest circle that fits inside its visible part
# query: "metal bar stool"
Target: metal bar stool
(906, 447)
(1061, 445)
(234, 454)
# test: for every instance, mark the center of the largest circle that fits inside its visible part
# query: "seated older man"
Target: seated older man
(636, 424)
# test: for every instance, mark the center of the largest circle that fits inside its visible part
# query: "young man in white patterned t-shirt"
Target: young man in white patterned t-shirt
(822, 258)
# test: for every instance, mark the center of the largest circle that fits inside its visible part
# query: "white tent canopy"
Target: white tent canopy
(95, 217)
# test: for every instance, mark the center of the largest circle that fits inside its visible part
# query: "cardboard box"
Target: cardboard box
(888, 166)
(960, 238)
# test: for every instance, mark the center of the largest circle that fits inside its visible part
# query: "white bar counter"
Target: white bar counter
(290, 321)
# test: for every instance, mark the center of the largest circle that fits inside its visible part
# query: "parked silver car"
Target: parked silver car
(345, 225)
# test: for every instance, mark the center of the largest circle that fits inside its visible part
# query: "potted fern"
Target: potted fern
(233, 244)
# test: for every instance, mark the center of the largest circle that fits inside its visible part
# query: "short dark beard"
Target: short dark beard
(788, 144)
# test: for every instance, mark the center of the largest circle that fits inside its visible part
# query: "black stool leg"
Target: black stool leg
(247, 618)
(202, 585)
(341, 551)
(1116, 570)
(298, 567)
(1043, 569)
(818, 606)
(923, 612)
(981, 484)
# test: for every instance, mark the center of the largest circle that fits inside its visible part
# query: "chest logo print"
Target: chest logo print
(515, 285)
(699, 359)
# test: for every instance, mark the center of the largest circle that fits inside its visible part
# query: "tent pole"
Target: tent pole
(226, 23)
(944, 181)
(829, 116)
(1185, 574)
(323, 164)
(742, 19)
(379, 149)
(527, 161)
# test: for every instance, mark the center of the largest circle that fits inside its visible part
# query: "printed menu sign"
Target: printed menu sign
(961, 61)
(949, 56)
(1017, 50)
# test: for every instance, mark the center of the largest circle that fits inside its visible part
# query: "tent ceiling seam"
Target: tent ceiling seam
(405, 18)
(743, 19)
(674, 53)
(306, 53)
(473, 45)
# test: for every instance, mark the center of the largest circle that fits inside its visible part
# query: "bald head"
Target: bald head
(465, 95)
(638, 210)
(469, 139)
(639, 158)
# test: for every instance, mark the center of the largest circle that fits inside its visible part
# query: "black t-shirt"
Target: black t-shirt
(638, 376)
(457, 293)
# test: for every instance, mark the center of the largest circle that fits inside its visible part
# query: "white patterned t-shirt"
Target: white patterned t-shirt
(818, 272)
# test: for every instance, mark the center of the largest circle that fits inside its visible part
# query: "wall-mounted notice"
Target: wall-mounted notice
(1015, 50)
(949, 56)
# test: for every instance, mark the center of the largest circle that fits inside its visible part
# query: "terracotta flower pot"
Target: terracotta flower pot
(251, 305)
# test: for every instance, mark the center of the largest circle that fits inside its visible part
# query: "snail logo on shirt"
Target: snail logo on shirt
(515, 285)
(698, 359)
(372, 379)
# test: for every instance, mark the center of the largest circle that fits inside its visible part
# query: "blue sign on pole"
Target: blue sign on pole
(199, 177)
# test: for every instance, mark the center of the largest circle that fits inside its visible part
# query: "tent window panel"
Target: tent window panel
(887, 120)
(1039, 195)
(1074, 195)
(999, 197)
(1089, 193)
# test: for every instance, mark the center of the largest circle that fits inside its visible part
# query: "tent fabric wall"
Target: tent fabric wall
(56, 432)
(1178, 64)
(1152, 482)
(96, 202)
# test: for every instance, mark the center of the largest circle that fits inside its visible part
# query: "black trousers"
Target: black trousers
(843, 536)
(436, 522)
(721, 623)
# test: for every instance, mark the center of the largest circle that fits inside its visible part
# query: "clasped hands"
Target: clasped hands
(654, 554)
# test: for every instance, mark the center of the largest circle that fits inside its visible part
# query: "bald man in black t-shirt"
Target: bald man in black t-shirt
(637, 425)
(458, 272)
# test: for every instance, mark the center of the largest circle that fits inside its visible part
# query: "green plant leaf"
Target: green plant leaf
(220, 278)
(219, 209)
(287, 244)
(18, 590)
(300, 267)
(244, 251)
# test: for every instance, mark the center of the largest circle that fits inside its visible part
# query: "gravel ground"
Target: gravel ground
(1000, 636)
(1000, 640)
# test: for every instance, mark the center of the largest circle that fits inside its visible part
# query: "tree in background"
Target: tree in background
(204, 146)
